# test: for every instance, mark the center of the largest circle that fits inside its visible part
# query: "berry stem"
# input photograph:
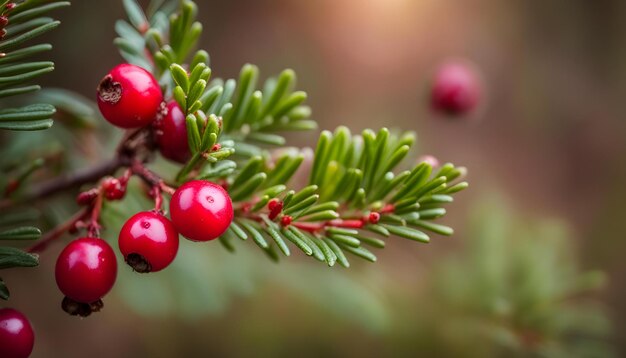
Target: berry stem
(158, 198)
(93, 229)
(150, 177)
(70, 181)
(130, 146)
(55, 233)
(349, 220)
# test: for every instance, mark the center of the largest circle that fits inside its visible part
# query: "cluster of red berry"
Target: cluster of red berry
(130, 97)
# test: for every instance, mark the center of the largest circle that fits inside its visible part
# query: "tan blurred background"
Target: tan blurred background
(551, 137)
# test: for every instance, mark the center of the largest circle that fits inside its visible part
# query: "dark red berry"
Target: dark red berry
(286, 220)
(148, 241)
(456, 89)
(129, 96)
(201, 210)
(4, 21)
(113, 188)
(86, 269)
(16, 334)
(171, 133)
(374, 217)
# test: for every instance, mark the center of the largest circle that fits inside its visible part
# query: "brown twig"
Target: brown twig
(150, 177)
(127, 150)
(70, 181)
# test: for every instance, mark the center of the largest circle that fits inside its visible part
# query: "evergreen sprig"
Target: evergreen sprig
(25, 21)
(20, 22)
(251, 116)
(354, 199)
(337, 212)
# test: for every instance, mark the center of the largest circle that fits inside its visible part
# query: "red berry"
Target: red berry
(113, 189)
(148, 241)
(201, 210)
(171, 134)
(456, 89)
(16, 334)
(129, 96)
(86, 269)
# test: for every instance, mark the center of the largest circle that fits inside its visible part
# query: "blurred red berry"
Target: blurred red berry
(456, 89)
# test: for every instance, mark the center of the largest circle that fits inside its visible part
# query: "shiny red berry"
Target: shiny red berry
(456, 89)
(201, 210)
(129, 96)
(113, 188)
(148, 241)
(86, 269)
(16, 334)
(171, 133)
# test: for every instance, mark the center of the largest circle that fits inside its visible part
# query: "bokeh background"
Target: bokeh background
(546, 166)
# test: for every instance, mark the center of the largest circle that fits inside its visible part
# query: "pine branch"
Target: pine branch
(358, 193)
(354, 198)
(19, 25)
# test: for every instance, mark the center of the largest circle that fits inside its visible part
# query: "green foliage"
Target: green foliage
(517, 290)
(251, 117)
(354, 173)
(343, 176)
(26, 21)
(12, 257)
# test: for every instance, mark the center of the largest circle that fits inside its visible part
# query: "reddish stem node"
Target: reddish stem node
(348, 223)
(388, 209)
(286, 220)
(310, 227)
(275, 206)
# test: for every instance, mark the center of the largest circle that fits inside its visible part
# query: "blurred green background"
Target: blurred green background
(544, 211)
